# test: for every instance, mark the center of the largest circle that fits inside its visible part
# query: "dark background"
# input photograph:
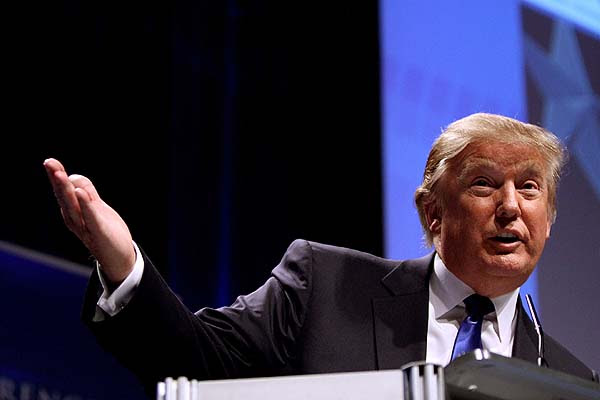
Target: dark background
(220, 131)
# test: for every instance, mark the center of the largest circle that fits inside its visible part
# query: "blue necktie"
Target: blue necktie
(469, 333)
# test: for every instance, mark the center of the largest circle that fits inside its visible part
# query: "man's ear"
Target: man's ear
(433, 217)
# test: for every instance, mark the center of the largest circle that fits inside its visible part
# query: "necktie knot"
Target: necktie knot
(478, 306)
(469, 332)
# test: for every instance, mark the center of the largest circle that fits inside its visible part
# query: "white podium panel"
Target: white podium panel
(478, 375)
(381, 385)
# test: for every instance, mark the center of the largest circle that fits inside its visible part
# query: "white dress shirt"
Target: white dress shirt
(446, 311)
(112, 303)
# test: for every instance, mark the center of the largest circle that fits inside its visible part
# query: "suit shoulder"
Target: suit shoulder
(560, 358)
(326, 252)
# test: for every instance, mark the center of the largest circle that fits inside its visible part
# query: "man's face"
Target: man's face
(494, 221)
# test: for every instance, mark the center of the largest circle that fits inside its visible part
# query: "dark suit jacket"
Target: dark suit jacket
(324, 309)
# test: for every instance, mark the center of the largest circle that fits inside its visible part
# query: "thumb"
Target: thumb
(88, 212)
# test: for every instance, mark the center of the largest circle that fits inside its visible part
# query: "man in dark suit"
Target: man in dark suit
(487, 204)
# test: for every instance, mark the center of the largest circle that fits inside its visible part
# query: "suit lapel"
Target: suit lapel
(525, 345)
(400, 320)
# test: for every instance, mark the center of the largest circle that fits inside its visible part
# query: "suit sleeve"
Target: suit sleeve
(156, 336)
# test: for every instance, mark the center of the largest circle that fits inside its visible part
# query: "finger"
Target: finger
(64, 191)
(88, 213)
(92, 235)
(56, 173)
(80, 181)
(74, 226)
(52, 165)
(69, 204)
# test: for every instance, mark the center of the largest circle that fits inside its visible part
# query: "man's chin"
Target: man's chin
(509, 265)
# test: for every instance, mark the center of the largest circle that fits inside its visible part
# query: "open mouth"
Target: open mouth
(506, 238)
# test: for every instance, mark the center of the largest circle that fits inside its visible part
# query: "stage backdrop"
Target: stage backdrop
(45, 350)
(220, 131)
(536, 61)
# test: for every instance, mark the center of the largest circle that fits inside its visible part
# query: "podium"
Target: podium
(478, 375)
(483, 375)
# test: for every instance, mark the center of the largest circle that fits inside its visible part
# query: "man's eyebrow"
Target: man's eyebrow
(528, 167)
(474, 163)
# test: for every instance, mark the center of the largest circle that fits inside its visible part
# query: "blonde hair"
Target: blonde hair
(486, 127)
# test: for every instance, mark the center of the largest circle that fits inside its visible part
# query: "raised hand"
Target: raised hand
(95, 223)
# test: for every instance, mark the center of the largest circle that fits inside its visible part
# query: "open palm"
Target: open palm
(95, 223)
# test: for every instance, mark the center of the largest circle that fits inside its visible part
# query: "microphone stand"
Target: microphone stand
(541, 361)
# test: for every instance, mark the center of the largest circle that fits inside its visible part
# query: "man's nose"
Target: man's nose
(508, 202)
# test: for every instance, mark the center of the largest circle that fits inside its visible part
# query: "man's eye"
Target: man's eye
(481, 182)
(529, 185)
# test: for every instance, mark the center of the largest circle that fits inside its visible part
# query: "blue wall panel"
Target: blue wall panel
(45, 349)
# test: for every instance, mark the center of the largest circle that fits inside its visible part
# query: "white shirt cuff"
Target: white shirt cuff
(112, 303)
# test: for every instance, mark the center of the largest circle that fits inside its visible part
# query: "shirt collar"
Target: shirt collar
(447, 291)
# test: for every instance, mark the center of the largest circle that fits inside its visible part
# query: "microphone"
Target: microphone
(541, 361)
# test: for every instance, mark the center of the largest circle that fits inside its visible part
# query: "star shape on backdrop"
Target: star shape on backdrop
(571, 107)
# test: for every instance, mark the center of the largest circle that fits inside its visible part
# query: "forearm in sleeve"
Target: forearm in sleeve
(113, 301)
